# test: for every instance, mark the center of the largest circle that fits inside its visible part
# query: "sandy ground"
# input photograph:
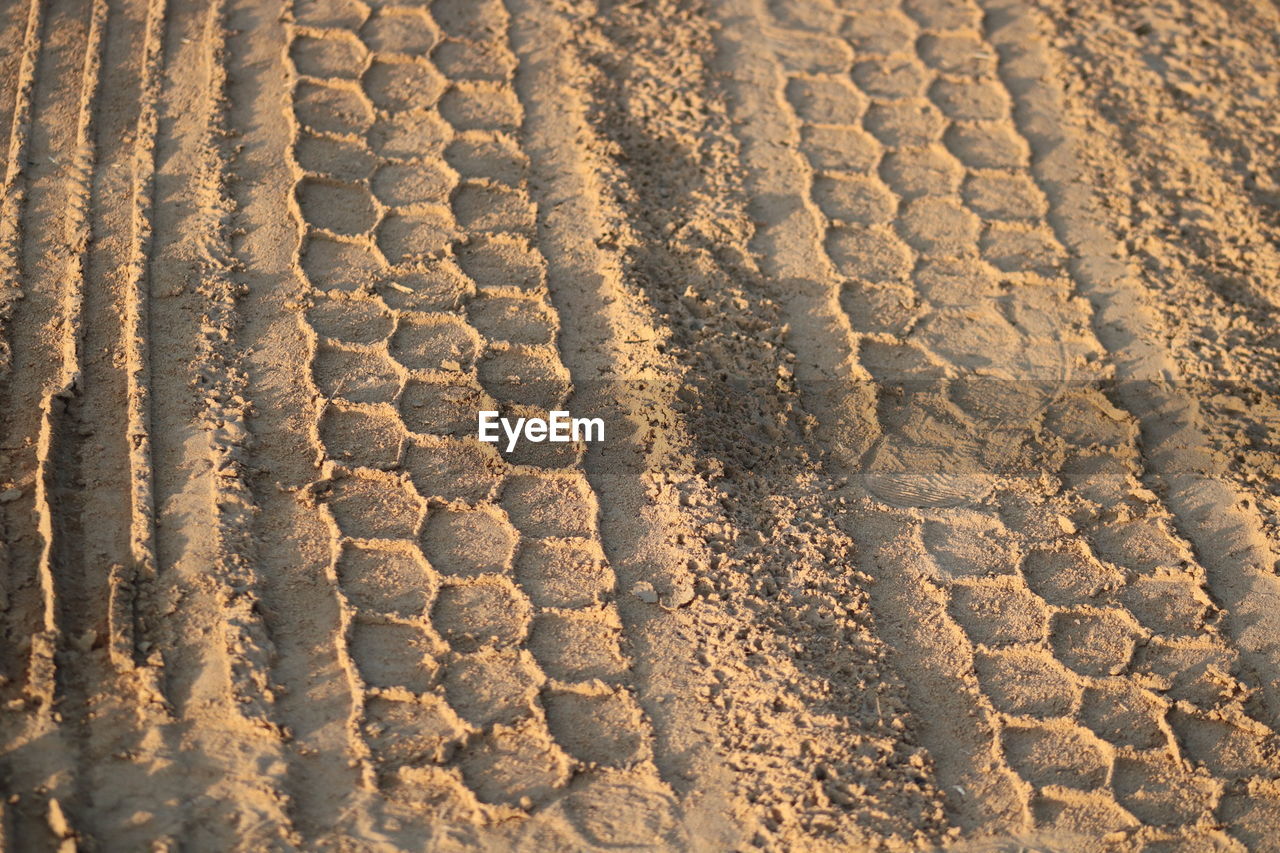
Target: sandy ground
(939, 505)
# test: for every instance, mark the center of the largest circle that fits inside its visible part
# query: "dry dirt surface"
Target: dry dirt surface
(935, 342)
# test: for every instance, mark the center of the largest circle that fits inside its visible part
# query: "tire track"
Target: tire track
(45, 341)
(134, 336)
(793, 572)
(18, 123)
(953, 721)
(26, 614)
(1214, 515)
(1224, 265)
(55, 466)
(600, 326)
(12, 200)
(327, 780)
(935, 129)
(95, 742)
(1221, 523)
(15, 69)
(482, 688)
(94, 454)
(93, 473)
(212, 651)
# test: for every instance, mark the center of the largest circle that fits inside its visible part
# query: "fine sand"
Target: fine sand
(935, 345)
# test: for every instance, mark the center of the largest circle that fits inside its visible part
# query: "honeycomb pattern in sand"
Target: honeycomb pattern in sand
(1116, 698)
(480, 605)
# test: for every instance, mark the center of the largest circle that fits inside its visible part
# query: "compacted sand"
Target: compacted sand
(935, 343)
